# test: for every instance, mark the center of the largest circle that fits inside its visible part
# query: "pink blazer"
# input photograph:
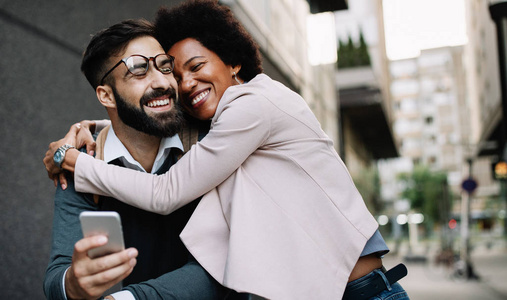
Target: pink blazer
(280, 217)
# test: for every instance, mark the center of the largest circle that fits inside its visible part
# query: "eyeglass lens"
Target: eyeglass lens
(138, 65)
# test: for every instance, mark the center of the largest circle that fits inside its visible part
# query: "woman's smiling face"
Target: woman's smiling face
(202, 77)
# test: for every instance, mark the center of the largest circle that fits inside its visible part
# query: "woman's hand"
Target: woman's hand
(78, 136)
(84, 136)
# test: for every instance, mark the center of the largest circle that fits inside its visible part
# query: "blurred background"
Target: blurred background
(411, 91)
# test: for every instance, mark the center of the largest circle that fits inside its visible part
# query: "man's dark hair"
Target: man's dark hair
(215, 27)
(110, 42)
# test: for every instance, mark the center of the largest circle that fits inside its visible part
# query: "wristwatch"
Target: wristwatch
(59, 155)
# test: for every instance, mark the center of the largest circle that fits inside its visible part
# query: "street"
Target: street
(427, 281)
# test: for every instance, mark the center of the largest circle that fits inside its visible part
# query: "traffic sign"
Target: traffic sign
(469, 185)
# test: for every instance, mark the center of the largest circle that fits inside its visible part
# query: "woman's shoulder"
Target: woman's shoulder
(261, 94)
(261, 86)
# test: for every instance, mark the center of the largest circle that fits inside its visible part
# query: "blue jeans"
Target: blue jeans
(392, 292)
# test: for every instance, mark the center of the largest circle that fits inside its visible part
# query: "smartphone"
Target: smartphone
(107, 223)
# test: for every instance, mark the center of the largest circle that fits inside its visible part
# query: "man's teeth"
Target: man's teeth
(199, 97)
(158, 103)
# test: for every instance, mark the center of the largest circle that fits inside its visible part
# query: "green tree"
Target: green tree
(342, 55)
(425, 190)
(351, 55)
(346, 54)
(362, 52)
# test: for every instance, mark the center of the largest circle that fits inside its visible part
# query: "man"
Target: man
(131, 75)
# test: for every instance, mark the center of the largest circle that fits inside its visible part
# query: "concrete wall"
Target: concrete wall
(42, 93)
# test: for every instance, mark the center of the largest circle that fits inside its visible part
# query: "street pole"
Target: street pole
(465, 232)
(469, 186)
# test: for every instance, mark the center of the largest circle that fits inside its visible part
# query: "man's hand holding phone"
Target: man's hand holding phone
(89, 278)
(100, 260)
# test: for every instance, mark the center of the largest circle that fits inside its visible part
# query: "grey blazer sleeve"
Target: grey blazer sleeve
(188, 282)
(68, 204)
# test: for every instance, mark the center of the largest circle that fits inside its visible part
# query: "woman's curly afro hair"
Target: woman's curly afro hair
(215, 27)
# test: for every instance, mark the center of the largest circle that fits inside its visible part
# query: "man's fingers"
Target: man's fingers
(103, 263)
(83, 245)
(81, 284)
(111, 261)
(114, 274)
(97, 284)
(109, 267)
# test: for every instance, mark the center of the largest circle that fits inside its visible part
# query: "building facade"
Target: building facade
(364, 97)
(484, 96)
(447, 111)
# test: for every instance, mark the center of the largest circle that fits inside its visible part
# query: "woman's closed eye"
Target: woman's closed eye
(197, 66)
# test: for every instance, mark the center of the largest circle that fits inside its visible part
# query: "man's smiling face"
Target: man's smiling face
(147, 102)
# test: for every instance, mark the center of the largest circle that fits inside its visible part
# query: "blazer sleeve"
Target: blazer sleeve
(190, 281)
(241, 128)
(68, 204)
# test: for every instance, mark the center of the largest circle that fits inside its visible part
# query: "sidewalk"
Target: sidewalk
(425, 280)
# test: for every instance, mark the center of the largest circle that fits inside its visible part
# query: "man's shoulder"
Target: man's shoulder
(71, 198)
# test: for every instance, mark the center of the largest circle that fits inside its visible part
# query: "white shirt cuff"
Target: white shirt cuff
(123, 295)
(63, 283)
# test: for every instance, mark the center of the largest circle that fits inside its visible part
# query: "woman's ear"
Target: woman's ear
(235, 70)
(106, 96)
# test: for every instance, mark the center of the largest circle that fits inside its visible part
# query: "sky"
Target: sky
(322, 40)
(413, 25)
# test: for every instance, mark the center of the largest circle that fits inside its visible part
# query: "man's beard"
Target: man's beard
(162, 125)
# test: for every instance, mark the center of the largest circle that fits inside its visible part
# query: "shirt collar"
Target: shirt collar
(114, 149)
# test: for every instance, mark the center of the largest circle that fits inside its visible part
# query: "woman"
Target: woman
(280, 216)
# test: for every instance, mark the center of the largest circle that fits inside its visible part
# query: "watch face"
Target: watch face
(58, 157)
